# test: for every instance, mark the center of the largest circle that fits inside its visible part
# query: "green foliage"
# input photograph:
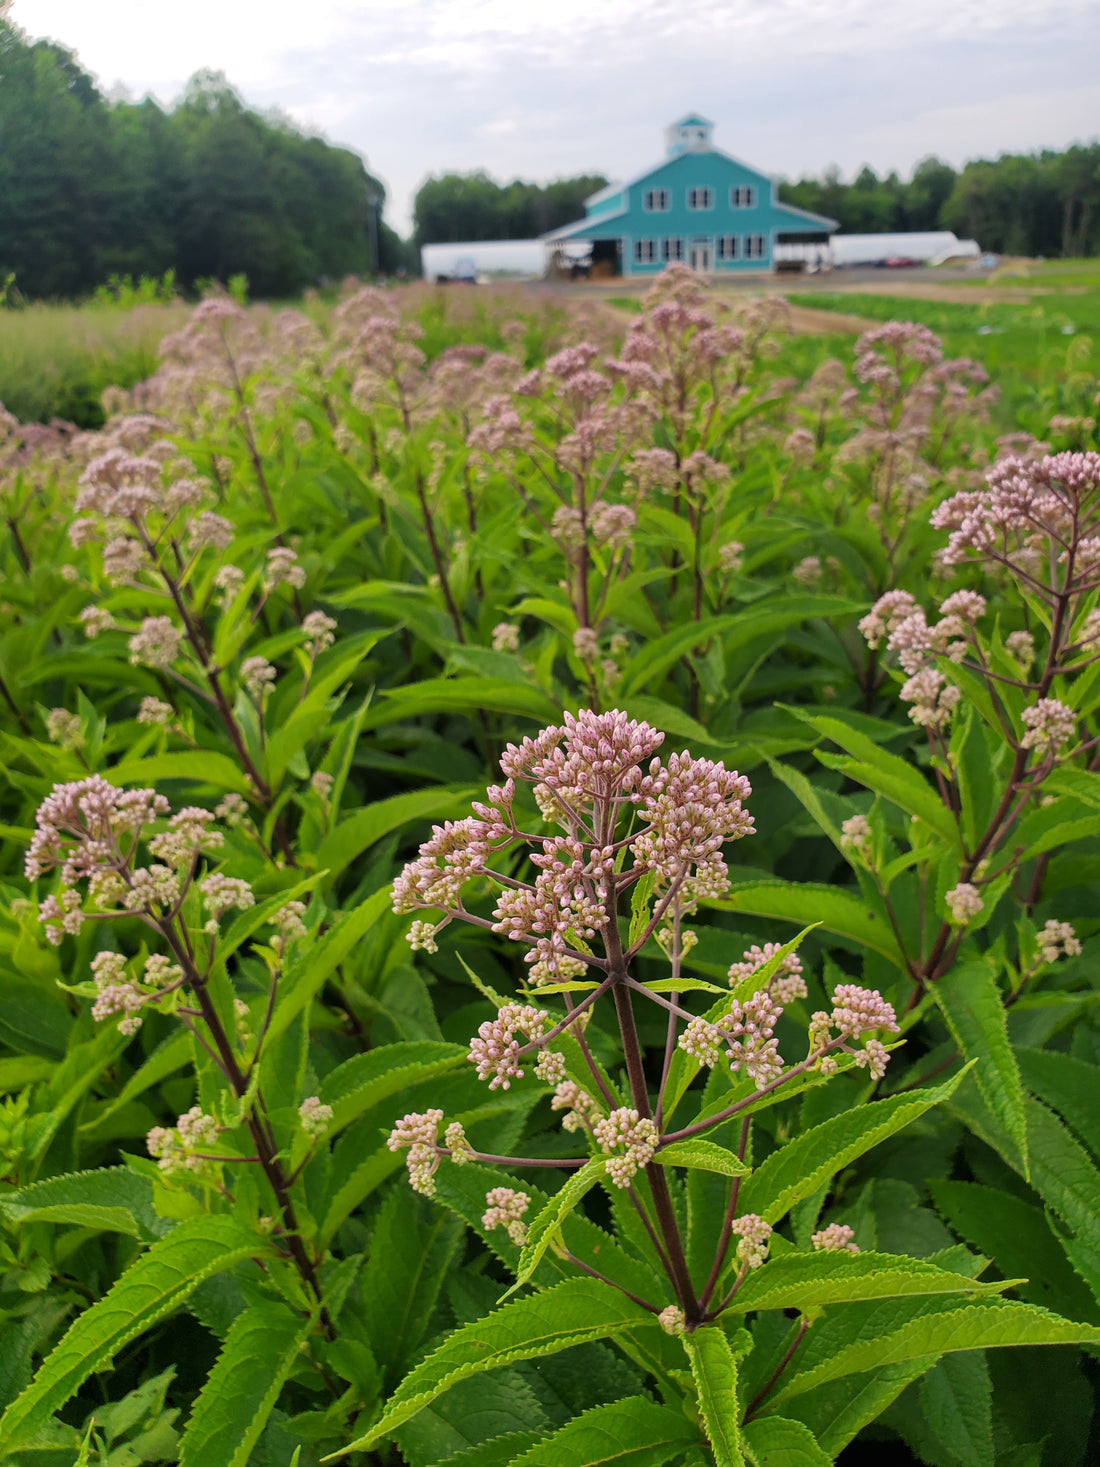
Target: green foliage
(97, 193)
(209, 1251)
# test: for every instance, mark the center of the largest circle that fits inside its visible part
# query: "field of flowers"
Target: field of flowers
(549, 896)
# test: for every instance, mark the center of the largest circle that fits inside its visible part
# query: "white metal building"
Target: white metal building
(928, 246)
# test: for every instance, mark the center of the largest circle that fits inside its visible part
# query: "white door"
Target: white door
(699, 255)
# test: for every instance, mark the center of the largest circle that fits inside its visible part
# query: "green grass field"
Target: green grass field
(55, 360)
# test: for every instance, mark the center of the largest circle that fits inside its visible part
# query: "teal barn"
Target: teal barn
(699, 206)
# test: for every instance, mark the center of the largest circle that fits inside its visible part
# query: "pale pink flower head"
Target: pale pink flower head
(1050, 726)
(629, 1141)
(505, 1208)
(495, 1050)
(836, 1238)
(754, 1233)
(964, 901)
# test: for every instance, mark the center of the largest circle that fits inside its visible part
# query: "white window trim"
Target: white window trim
(719, 250)
(672, 248)
(739, 188)
(751, 253)
(702, 188)
(643, 258)
(649, 208)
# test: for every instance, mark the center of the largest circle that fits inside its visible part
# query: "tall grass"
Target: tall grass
(55, 360)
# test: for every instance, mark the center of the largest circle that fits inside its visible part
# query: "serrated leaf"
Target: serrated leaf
(975, 1327)
(702, 1155)
(887, 774)
(736, 630)
(773, 1441)
(546, 1226)
(956, 1400)
(195, 766)
(571, 1313)
(970, 1001)
(462, 695)
(634, 1432)
(1067, 1085)
(835, 909)
(1016, 1235)
(233, 1406)
(805, 1280)
(412, 1247)
(314, 968)
(798, 1169)
(1063, 1174)
(157, 1283)
(366, 1079)
(121, 1200)
(714, 1370)
(358, 831)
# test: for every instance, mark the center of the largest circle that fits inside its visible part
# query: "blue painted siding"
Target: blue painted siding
(623, 216)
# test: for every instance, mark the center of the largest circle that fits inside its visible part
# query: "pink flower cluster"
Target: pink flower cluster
(496, 1051)
(1033, 514)
(856, 1011)
(630, 1142)
(587, 776)
(786, 983)
(747, 1032)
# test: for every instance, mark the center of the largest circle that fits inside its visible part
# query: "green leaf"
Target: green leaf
(366, 1079)
(571, 1313)
(634, 1432)
(1069, 1086)
(546, 1226)
(809, 1280)
(957, 1405)
(975, 1327)
(801, 902)
(157, 1283)
(115, 1200)
(1063, 1174)
(1016, 1235)
(773, 1441)
(798, 1169)
(714, 1371)
(462, 695)
(736, 630)
(886, 774)
(971, 1003)
(412, 1249)
(703, 1155)
(312, 971)
(233, 1406)
(353, 835)
(196, 766)
(170, 1055)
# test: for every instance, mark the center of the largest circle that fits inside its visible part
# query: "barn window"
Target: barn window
(656, 200)
(756, 246)
(727, 247)
(672, 249)
(700, 198)
(645, 251)
(742, 196)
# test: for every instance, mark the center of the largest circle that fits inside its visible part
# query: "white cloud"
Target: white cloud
(539, 88)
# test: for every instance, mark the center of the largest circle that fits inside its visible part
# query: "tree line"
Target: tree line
(91, 188)
(1045, 203)
(457, 207)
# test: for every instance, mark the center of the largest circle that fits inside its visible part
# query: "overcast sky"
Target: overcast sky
(545, 88)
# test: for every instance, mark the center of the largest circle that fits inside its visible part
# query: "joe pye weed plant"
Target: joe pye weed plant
(683, 1190)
